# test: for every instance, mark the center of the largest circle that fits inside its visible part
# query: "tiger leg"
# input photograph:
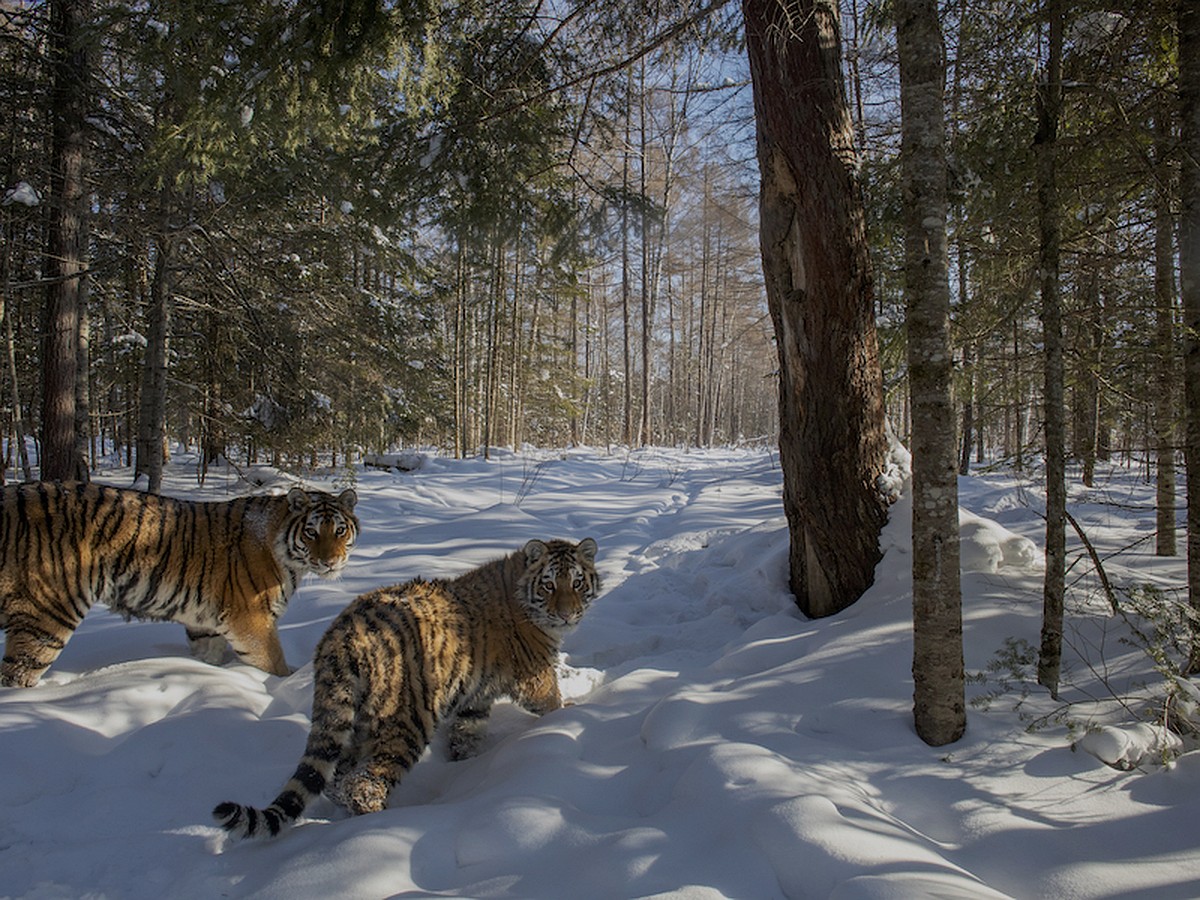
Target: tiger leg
(392, 751)
(34, 636)
(256, 642)
(468, 730)
(539, 693)
(206, 646)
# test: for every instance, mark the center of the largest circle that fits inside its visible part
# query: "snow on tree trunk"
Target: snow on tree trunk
(819, 290)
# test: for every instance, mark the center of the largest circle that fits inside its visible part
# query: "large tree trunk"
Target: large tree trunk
(1189, 270)
(1046, 149)
(939, 705)
(817, 272)
(65, 243)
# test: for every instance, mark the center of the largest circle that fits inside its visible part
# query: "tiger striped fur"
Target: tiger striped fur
(399, 661)
(225, 570)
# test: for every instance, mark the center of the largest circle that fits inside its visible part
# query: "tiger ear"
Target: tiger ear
(535, 550)
(346, 499)
(297, 499)
(587, 549)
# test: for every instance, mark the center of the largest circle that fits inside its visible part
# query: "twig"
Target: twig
(1104, 582)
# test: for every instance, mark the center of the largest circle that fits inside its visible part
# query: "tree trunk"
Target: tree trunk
(1046, 148)
(152, 407)
(939, 706)
(83, 392)
(1088, 351)
(18, 419)
(1164, 339)
(65, 246)
(626, 275)
(1189, 271)
(817, 274)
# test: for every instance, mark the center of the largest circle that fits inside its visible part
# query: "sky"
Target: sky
(718, 744)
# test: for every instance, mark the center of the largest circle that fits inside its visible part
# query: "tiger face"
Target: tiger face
(561, 582)
(322, 530)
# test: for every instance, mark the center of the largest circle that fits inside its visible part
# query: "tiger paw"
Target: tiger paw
(362, 793)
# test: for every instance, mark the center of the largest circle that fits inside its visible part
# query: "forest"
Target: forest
(537, 242)
(460, 227)
(312, 235)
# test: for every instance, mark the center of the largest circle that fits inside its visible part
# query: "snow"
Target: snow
(719, 744)
(23, 193)
(1128, 747)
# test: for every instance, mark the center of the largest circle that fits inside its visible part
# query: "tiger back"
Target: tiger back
(225, 570)
(399, 661)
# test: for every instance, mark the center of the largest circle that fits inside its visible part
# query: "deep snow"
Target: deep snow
(720, 744)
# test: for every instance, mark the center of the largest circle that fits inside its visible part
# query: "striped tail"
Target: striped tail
(247, 822)
(335, 700)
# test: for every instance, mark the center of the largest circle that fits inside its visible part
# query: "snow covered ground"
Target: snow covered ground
(720, 744)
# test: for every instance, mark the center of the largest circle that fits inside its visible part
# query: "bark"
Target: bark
(819, 291)
(65, 247)
(18, 421)
(84, 452)
(626, 275)
(1046, 149)
(152, 407)
(1164, 339)
(939, 707)
(1088, 350)
(1189, 271)
(10, 362)
(969, 375)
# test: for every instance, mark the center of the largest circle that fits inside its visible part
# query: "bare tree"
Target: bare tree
(819, 290)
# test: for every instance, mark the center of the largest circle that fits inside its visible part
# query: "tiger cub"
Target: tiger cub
(399, 661)
(225, 570)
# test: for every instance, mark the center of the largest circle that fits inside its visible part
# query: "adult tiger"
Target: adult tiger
(225, 570)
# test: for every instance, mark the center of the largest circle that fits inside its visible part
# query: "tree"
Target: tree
(65, 265)
(939, 705)
(1164, 339)
(1049, 103)
(819, 291)
(152, 411)
(1189, 270)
